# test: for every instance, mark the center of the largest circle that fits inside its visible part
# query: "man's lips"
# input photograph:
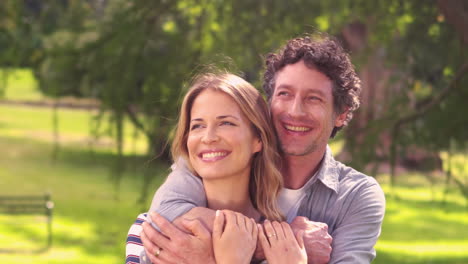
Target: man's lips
(213, 155)
(297, 128)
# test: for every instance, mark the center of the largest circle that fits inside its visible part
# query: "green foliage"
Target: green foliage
(136, 57)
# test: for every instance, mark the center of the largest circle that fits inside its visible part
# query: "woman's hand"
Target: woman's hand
(234, 237)
(280, 245)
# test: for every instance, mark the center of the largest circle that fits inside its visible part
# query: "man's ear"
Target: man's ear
(341, 118)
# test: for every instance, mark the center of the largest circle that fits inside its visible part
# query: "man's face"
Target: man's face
(302, 109)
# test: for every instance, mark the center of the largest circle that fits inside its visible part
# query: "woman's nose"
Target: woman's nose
(210, 136)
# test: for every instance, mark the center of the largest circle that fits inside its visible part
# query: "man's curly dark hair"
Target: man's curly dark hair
(326, 55)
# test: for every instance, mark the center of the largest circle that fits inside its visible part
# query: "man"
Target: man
(312, 91)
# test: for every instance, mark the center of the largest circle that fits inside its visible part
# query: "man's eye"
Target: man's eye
(314, 98)
(283, 94)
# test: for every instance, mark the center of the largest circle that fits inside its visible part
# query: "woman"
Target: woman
(224, 133)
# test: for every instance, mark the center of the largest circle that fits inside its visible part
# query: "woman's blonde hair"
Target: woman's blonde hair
(265, 178)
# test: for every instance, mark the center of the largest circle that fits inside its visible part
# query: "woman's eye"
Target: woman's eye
(227, 123)
(195, 126)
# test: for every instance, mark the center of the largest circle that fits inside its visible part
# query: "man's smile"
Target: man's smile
(297, 128)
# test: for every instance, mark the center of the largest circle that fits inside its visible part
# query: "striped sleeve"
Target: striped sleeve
(134, 246)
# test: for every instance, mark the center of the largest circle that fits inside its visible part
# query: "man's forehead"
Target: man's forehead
(311, 77)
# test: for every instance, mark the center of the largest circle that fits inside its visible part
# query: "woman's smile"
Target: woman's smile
(221, 142)
(213, 155)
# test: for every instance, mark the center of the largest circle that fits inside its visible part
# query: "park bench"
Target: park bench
(24, 205)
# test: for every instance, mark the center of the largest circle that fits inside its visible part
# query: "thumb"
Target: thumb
(196, 228)
(218, 224)
(300, 238)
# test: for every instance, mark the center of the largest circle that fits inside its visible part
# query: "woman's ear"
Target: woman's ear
(257, 145)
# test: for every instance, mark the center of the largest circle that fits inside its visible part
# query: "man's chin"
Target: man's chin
(298, 151)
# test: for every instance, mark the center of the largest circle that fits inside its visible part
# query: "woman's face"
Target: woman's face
(220, 142)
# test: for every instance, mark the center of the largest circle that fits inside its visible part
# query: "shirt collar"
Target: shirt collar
(328, 172)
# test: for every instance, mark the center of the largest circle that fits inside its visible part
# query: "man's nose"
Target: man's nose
(210, 135)
(296, 108)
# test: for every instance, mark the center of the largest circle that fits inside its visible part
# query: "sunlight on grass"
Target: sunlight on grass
(21, 85)
(69, 237)
(22, 232)
(419, 226)
(426, 248)
(90, 220)
(74, 128)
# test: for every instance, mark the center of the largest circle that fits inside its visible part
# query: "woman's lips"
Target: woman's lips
(213, 155)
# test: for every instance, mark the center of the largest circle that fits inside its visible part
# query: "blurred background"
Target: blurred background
(90, 89)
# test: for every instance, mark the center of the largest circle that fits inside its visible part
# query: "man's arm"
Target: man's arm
(356, 235)
(171, 245)
(181, 192)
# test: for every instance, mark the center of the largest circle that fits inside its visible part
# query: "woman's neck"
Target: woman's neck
(232, 194)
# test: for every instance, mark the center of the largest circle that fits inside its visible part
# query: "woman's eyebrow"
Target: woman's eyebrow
(226, 116)
(218, 117)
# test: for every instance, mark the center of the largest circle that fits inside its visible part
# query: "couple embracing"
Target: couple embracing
(255, 180)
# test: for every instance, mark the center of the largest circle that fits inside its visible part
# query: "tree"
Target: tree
(136, 57)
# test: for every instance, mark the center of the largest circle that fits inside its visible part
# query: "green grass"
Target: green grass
(90, 220)
(20, 85)
(73, 128)
(419, 227)
(90, 224)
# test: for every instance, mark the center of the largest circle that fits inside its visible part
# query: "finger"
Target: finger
(269, 231)
(295, 231)
(218, 225)
(146, 247)
(288, 233)
(166, 227)
(149, 247)
(197, 228)
(157, 257)
(251, 225)
(165, 257)
(278, 230)
(231, 219)
(254, 227)
(152, 237)
(300, 238)
(300, 221)
(241, 220)
(263, 239)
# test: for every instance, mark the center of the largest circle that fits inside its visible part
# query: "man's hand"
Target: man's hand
(234, 237)
(174, 246)
(317, 241)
